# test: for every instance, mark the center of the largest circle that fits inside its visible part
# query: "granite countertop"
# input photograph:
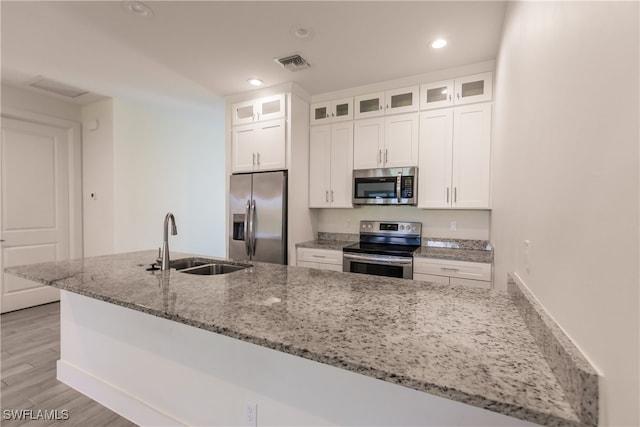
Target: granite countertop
(471, 255)
(335, 245)
(468, 345)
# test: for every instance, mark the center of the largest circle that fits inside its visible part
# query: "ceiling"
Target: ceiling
(194, 52)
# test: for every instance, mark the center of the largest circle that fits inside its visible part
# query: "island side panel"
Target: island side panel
(154, 371)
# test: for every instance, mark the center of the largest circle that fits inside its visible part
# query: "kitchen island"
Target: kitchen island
(408, 353)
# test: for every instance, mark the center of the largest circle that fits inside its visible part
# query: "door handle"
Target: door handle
(253, 227)
(247, 236)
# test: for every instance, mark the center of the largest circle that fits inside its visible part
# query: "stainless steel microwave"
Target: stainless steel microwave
(388, 186)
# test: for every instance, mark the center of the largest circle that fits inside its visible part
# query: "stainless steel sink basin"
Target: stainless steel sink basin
(205, 266)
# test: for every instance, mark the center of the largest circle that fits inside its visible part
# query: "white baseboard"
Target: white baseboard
(113, 398)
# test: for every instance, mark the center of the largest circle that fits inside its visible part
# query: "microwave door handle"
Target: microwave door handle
(399, 186)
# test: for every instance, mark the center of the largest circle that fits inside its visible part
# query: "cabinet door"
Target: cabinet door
(476, 88)
(472, 156)
(401, 140)
(341, 165)
(371, 105)
(320, 113)
(403, 100)
(436, 95)
(342, 110)
(270, 145)
(368, 143)
(243, 152)
(270, 108)
(435, 159)
(319, 166)
(243, 112)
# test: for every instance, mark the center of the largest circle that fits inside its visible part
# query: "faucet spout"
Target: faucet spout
(164, 264)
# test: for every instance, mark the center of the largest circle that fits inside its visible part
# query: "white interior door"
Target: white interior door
(34, 210)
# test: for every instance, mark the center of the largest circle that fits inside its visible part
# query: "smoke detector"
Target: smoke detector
(293, 62)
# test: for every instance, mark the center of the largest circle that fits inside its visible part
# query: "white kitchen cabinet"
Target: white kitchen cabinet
(256, 110)
(404, 100)
(331, 165)
(473, 274)
(455, 157)
(259, 146)
(324, 259)
(401, 140)
(332, 111)
(386, 142)
(395, 101)
(460, 91)
(368, 143)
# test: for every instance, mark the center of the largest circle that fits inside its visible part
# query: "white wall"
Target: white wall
(97, 178)
(435, 223)
(169, 161)
(566, 179)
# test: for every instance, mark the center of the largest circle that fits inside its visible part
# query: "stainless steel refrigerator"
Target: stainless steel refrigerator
(258, 215)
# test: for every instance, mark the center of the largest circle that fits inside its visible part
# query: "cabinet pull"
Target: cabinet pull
(458, 95)
(326, 196)
(331, 196)
(380, 156)
(449, 97)
(318, 256)
(455, 194)
(257, 116)
(386, 155)
(449, 269)
(333, 115)
(447, 194)
(258, 159)
(253, 161)
(381, 107)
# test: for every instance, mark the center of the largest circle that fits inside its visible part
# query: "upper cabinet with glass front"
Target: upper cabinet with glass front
(396, 101)
(257, 110)
(460, 91)
(332, 111)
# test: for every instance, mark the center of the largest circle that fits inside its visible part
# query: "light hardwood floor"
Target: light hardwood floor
(30, 346)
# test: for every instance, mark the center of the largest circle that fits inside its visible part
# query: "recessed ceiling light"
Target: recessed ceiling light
(255, 82)
(438, 43)
(137, 8)
(300, 32)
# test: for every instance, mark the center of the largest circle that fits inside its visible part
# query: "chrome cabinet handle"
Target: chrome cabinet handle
(449, 97)
(455, 194)
(458, 95)
(447, 194)
(318, 256)
(380, 156)
(381, 107)
(386, 155)
(449, 269)
(331, 196)
(326, 196)
(258, 159)
(253, 162)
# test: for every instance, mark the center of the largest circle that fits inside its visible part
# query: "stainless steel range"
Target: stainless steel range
(385, 249)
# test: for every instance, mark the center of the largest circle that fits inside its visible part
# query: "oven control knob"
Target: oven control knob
(402, 227)
(413, 228)
(369, 226)
(364, 226)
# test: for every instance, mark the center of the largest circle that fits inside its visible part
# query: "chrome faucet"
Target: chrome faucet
(164, 256)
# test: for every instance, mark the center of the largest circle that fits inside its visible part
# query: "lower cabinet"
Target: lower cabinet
(323, 259)
(474, 274)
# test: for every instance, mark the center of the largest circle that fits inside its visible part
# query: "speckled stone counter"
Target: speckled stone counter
(468, 345)
(455, 254)
(335, 245)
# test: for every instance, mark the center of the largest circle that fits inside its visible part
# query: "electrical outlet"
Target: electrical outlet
(453, 226)
(250, 414)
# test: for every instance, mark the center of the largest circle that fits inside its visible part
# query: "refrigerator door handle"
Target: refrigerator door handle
(253, 228)
(247, 243)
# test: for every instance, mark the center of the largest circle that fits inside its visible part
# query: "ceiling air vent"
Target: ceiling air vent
(293, 62)
(57, 88)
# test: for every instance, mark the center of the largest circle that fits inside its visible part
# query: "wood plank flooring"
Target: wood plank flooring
(30, 347)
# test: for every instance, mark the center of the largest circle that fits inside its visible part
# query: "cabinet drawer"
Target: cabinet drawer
(322, 256)
(320, 266)
(457, 269)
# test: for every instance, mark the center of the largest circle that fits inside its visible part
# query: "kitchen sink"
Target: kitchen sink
(206, 267)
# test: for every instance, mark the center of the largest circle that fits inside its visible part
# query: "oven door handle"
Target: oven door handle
(369, 259)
